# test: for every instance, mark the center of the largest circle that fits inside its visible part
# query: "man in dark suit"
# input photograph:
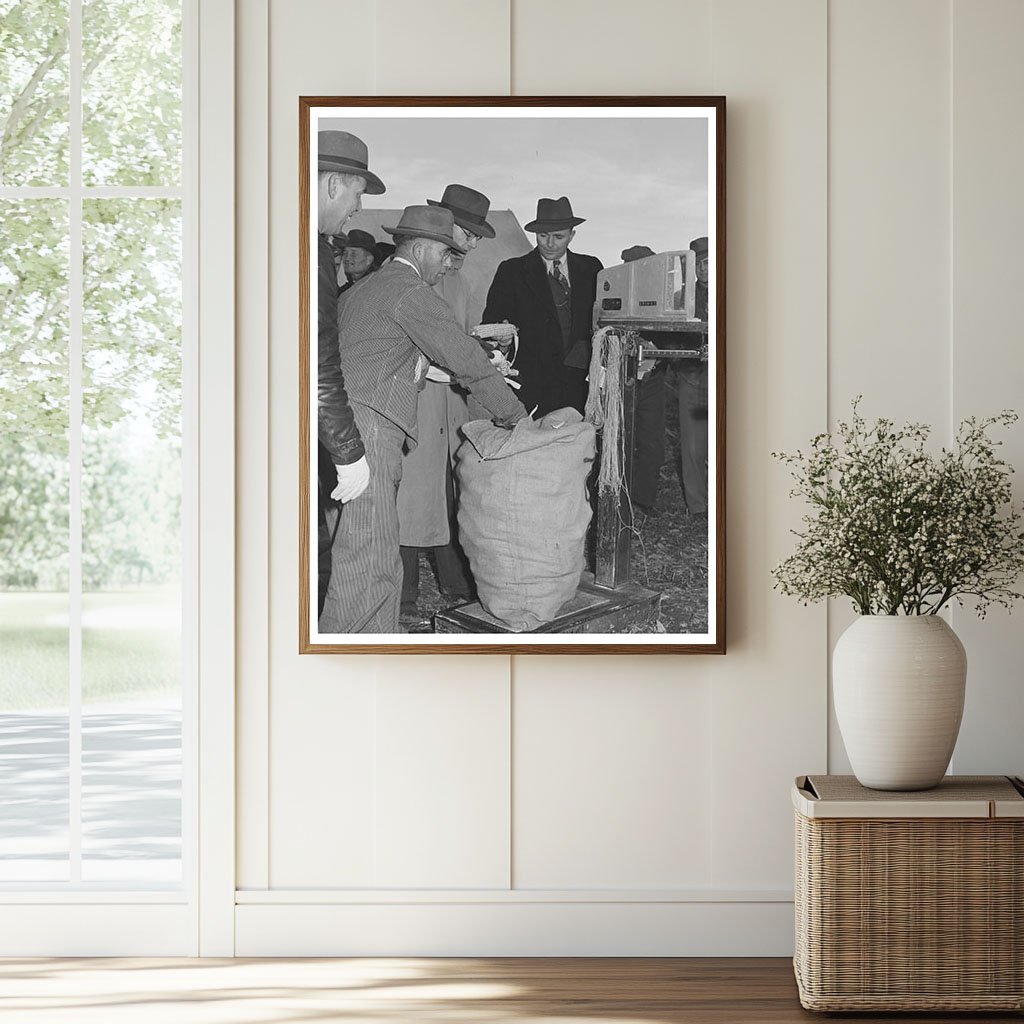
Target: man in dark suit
(549, 295)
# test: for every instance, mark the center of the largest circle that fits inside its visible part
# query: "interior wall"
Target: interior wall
(624, 804)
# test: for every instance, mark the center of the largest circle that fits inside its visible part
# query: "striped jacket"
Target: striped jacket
(391, 325)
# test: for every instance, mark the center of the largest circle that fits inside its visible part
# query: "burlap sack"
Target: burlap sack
(524, 512)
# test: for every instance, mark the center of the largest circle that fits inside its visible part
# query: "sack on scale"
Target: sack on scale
(524, 512)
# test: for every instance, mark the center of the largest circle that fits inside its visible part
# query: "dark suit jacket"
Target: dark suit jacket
(552, 376)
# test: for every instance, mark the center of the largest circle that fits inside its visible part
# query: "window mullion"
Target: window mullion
(75, 333)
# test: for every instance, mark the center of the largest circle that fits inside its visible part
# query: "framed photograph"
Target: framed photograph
(512, 375)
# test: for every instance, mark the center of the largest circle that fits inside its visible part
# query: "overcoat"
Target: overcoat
(440, 413)
(552, 373)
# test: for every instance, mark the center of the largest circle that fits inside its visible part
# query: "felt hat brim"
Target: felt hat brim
(466, 220)
(434, 236)
(374, 186)
(374, 252)
(553, 225)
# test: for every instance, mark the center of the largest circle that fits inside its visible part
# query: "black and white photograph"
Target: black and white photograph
(511, 375)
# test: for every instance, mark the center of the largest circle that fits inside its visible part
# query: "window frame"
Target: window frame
(75, 918)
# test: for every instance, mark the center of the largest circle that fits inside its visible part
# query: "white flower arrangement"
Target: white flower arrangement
(899, 530)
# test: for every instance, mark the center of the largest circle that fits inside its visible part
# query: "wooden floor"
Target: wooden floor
(414, 991)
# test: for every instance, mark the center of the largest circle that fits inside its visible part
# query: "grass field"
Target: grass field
(130, 647)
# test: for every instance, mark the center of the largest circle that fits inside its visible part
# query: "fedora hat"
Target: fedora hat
(343, 152)
(553, 215)
(636, 252)
(363, 240)
(433, 222)
(469, 208)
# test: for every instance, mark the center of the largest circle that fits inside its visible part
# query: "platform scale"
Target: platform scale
(638, 302)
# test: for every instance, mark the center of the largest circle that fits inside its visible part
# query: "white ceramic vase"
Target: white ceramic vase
(898, 684)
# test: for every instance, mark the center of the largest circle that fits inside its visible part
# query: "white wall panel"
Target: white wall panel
(578, 47)
(320, 709)
(874, 218)
(889, 282)
(325, 721)
(442, 761)
(611, 787)
(987, 367)
(442, 48)
(768, 693)
(322, 781)
(889, 209)
(442, 771)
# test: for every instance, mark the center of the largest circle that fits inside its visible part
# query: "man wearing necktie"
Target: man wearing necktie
(549, 295)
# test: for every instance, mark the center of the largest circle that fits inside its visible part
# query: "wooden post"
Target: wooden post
(614, 511)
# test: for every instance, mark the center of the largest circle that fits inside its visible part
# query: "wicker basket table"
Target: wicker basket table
(910, 901)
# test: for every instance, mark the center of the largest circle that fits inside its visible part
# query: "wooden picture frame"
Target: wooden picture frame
(642, 173)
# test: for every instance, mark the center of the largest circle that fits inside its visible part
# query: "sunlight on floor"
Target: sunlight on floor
(185, 991)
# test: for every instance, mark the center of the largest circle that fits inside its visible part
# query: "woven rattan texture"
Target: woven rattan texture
(959, 787)
(916, 914)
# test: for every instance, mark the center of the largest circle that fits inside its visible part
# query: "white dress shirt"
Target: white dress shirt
(562, 263)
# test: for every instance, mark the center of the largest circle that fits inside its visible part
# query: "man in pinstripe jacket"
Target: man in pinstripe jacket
(391, 329)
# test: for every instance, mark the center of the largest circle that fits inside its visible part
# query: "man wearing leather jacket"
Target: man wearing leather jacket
(342, 179)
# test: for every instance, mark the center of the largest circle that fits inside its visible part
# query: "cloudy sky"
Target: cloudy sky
(637, 180)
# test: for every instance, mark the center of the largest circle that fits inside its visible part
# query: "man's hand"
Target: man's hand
(352, 480)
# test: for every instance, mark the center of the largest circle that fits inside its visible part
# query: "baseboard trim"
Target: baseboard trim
(349, 897)
(515, 928)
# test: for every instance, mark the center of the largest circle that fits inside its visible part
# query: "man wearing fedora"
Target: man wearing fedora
(393, 327)
(342, 179)
(693, 401)
(426, 496)
(549, 295)
(359, 258)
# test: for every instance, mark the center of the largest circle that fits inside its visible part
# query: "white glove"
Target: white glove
(352, 480)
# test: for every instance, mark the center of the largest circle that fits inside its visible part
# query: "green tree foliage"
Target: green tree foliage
(34, 92)
(132, 313)
(131, 510)
(34, 322)
(131, 310)
(131, 92)
(33, 515)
